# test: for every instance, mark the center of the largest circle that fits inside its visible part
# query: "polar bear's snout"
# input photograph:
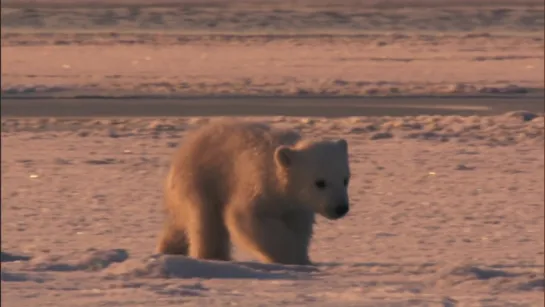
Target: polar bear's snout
(334, 212)
(341, 210)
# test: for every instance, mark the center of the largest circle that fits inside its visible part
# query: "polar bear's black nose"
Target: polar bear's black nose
(341, 210)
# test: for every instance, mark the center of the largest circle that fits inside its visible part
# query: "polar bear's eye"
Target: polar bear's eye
(320, 184)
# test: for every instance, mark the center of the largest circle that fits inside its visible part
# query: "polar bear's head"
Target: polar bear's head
(317, 175)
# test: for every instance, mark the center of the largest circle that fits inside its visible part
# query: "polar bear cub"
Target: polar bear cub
(255, 185)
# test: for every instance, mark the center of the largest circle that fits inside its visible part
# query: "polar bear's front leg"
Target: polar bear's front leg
(173, 238)
(266, 237)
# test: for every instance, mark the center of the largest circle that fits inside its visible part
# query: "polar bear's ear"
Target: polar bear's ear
(343, 144)
(284, 155)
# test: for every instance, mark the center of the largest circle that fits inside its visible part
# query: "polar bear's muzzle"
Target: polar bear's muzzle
(338, 211)
(341, 210)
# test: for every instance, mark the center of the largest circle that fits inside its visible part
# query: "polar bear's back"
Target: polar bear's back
(224, 156)
(233, 138)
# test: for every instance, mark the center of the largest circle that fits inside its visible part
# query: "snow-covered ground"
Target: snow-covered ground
(447, 211)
